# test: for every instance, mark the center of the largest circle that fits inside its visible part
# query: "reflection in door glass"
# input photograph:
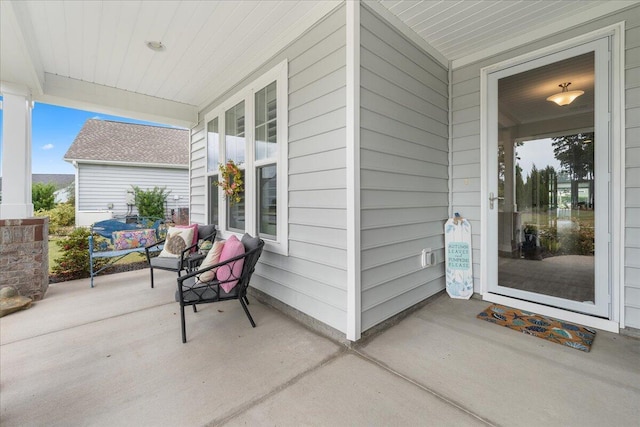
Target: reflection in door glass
(546, 198)
(553, 219)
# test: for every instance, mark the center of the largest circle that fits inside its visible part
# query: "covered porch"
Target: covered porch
(112, 355)
(381, 136)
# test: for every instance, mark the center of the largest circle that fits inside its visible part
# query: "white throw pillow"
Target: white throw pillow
(178, 239)
(212, 258)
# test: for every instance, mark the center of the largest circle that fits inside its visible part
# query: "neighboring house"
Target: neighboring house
(363, 126)
(62, 181)
(111, 157)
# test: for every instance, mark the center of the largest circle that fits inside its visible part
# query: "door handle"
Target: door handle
(493, 199)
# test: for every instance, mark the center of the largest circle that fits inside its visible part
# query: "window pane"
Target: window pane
(261, 114)
(266, 123)
(213, 200)
(235, 214)
(234, 133)
(213, 145)
(267, 200)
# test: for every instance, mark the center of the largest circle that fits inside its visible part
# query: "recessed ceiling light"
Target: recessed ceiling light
(155, 46)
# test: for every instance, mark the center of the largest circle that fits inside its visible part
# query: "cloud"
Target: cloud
(47, 146)
(96, 118)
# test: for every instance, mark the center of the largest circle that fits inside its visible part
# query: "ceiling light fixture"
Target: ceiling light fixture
(155, 46)
(565, 97)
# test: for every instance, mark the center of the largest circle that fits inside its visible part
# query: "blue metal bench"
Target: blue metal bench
(107, 227)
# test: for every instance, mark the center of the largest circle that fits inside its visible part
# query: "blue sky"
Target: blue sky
(54, 129)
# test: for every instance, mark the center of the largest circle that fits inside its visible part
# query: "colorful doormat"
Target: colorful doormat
(553, 330)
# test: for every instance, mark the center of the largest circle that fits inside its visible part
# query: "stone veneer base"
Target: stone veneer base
(24, 256)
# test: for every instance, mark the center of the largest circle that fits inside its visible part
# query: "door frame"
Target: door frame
(616, 320)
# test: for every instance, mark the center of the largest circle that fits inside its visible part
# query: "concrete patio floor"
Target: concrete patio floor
(112, 356)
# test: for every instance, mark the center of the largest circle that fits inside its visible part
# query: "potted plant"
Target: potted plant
(531, 244)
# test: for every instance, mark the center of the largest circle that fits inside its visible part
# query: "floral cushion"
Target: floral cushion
(101, 244)
(130, 239)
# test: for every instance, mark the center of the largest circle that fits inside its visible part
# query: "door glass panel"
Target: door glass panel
(546, 185)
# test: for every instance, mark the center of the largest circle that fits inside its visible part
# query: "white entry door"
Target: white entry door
(548, 192)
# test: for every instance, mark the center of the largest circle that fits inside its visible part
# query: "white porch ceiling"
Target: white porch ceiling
(458, 29)
(92, 54)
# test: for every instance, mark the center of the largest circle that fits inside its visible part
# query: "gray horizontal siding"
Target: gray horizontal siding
(312, 278)
(632, 158)
(404, 170)
(466, 146)
(100, 185)
(197, 179)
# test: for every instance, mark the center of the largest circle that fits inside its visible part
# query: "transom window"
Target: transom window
(250, 128)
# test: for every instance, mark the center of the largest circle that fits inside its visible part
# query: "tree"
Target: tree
(576, 155)
(520, 195)
(539, 191)
(550, 189)
(42, 196)
(533, 188)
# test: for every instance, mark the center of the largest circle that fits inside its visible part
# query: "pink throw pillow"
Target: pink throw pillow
(232, 248)
(212, 258)
(195, 233)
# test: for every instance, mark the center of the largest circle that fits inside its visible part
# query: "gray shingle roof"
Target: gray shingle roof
(104, 140)
(60, 180)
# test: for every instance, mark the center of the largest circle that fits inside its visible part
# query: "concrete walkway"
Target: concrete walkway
(112, 356)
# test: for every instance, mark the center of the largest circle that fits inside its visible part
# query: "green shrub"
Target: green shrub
(74, 260)
(63, 215)
(580, 241)
(151, 203)
(549, 240)
(61, 218)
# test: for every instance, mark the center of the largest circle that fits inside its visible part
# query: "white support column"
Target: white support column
(354, 287)
(16, 152)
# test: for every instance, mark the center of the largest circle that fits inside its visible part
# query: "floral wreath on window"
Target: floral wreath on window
(231, 181)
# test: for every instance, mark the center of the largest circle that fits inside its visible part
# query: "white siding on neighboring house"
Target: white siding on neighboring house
(62, 195)
(404, 170)
(466, 146)
(101, 185)
(312, 279)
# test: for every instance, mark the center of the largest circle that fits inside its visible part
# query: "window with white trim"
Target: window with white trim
(250, 128)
